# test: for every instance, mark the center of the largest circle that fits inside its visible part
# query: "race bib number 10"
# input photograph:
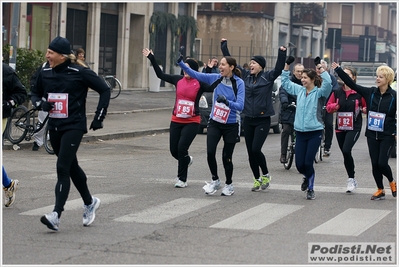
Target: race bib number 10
(221, 113)
(60, 110)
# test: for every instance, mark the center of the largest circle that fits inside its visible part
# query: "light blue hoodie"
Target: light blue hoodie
(308, 116)
(236, 103)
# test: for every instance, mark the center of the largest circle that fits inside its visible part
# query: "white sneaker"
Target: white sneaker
(212, 187)
(89, 211)
(352, 185)
(228, 190)
(191, 161)
(180, 184)
(51, 220)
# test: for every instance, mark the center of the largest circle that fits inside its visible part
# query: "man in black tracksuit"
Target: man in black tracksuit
(64, 84)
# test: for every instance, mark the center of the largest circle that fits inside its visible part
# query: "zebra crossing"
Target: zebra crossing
(350, 222)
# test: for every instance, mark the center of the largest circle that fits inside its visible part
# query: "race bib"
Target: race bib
(345, 121)
(376, 121)
(60, 110)
(185, 109)
(221, 113)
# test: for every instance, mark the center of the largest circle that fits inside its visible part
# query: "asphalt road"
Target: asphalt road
(143, 219)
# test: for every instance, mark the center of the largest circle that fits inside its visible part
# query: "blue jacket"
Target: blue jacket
(308, 116)
(236, 103)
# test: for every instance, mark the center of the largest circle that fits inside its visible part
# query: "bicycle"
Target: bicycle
(22, 125)
(290, 151)
(113, 83)
(291, 147)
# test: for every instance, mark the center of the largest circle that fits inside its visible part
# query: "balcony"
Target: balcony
(311, 14)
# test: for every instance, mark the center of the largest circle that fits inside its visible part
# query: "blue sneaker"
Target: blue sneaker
(89, 211)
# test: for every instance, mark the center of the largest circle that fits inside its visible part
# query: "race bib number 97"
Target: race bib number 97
(221, 113)
(376, 121)
(60, 110)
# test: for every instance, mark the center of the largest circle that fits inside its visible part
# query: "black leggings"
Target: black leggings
(65, 145)
(346, 140)
(328, 130)
(380, 151)
(215, 131)
(255, 132)
(180, 139)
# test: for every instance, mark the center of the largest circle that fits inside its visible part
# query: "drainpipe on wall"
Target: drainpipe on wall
(14, 34)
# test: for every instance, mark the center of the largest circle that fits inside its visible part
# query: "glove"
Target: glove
(7, 107)
(181, 52)
(289, 60)
(96, 124)
(47, 106)
(284, 106)
(222, 99)
(317, 61)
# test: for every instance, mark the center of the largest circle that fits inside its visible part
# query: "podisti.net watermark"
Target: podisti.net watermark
(346, 252)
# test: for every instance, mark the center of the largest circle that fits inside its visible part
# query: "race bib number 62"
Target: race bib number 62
(60, 110)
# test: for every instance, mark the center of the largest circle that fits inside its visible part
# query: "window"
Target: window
(346, 19)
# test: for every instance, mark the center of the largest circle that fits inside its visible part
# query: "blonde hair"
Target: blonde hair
(387, 72)
(74, 60)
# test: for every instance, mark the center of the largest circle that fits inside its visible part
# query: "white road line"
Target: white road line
(257, 217)
(167, 211)
(351, 222)
(76, 204)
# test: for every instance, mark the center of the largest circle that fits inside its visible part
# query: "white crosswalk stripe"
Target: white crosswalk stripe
(351, 222)
(77, 204)
(167, 211)
(257, 217)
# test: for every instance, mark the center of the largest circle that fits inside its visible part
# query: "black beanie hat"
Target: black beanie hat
(193, 64)
(260, 60)
(60, 45)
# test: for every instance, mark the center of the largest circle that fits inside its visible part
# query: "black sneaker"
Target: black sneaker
(305, 184)
(35, 146)
(310, 195)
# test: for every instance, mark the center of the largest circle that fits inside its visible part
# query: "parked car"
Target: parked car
(205, 108)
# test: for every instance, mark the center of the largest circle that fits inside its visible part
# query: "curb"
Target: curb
(91, 138)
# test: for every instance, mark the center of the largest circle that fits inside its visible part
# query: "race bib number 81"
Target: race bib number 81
(376, 121)
(60, 110)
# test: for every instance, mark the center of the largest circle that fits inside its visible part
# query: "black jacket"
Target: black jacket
(259, 88)
(287, 116)
(13, 89)
(75, 80)
(385, 103)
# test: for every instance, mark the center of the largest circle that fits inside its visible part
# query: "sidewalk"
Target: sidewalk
(132, 113)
